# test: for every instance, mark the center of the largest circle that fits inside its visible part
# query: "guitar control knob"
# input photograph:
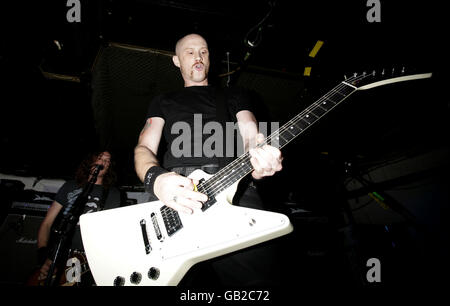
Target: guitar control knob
(153, 273)
(119, 281)
(135, 278)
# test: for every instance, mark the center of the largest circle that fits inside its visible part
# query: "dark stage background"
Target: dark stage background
(68, 88)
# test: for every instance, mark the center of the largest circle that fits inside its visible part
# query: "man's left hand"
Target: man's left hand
(266, 160)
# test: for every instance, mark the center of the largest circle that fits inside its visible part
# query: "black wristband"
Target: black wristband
(42, 255)
(150, 178)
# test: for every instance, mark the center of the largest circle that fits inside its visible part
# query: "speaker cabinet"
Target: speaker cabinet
(18, 251)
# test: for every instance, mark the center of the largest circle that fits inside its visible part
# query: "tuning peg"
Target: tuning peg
(355, 74)
(403, 70)
(382, 72)
(345, 77)
(373, 73)
(393, 70)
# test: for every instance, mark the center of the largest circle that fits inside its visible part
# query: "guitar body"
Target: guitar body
(75, 256)
(116, 248)
(34, 280)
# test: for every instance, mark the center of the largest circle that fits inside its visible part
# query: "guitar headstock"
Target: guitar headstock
(368, 80)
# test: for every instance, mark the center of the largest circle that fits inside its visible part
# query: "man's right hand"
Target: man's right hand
(177, 192)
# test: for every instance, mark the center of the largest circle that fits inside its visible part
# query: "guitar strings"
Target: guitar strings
(316, 104)
(221, 183)
(244, 159)
(218, 181)
(307, 112)
(325, 97)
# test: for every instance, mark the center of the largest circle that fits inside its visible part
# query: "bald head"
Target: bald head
(182, 41)
(192, 57)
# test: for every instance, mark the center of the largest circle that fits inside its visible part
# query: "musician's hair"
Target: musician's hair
(84, 170)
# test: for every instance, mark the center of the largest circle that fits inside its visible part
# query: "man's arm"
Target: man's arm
(46, 225)
(147, 147)
(174, 190)
(44, 235)
(265, 160)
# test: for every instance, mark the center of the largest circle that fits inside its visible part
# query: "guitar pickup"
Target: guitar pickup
(147, 245)
(156, 227)
(171, 220)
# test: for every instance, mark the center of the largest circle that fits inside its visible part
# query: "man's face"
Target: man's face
(104, 159)
(192, 57)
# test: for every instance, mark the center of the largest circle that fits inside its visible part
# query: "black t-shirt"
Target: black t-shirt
(70, 191)
(187, 113)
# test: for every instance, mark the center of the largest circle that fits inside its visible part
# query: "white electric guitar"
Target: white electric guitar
(151, 244)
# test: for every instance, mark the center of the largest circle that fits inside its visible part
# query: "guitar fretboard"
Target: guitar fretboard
(241, 166)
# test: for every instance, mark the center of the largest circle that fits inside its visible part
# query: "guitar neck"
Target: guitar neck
(310, 115)
(241, 166)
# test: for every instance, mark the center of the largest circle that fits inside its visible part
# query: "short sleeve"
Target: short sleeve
(154, 108)
(62, 195)
(239, 99)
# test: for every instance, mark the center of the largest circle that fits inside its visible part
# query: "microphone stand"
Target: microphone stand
(66, 228)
